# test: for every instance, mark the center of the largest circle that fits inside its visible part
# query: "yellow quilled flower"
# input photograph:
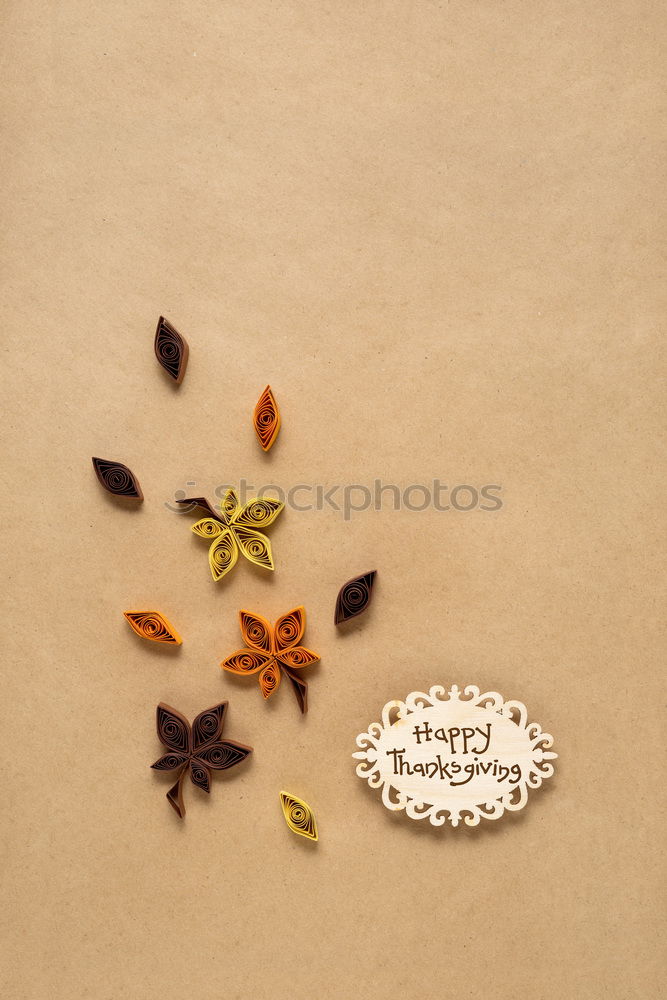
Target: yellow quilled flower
(233, 529)
(274, 650)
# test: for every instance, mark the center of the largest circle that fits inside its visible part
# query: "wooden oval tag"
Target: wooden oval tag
(454, 755)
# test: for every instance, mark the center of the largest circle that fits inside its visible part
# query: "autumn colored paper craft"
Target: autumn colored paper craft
(354, 597)
(273, 651)
(154, 626)
(197, 749)
(116, 478)
(266, 419)
(298, 816)
(171, 350)
(233, 529)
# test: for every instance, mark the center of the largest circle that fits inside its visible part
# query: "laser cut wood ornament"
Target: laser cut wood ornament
(454, 755)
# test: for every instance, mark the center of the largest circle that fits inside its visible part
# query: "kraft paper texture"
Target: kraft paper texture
(434, 229)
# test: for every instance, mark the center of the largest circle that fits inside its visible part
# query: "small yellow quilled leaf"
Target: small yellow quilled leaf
(230, 503)
(154, 626)
(258, 513)
(208, 528)
(255, 546)
(266, 419)
(298, 816)
(222, 554)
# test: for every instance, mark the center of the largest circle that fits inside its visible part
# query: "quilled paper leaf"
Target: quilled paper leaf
(298, 657)
(222, 555)
(207, 726)
(246, 661)
(269, 679)
(267, 419)
(170, 762)
(230, 504)
(258, 513)
(208, 528)
(223, 754)
(173, 729)
(154, 626)
(354, 597)
(195, 751)
(171, 350)
(116, 478)
(273, 650)
(290, 628)
(298, 816)
(200, 775)
(256, 631)
(231, 534)
(255, 546)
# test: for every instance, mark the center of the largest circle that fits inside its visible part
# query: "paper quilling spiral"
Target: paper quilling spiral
(171, 350)
(116, 478)
(354, 597)
(298, 816)
(266, 419)
(222, 555)
(154, 626)
(269, 679)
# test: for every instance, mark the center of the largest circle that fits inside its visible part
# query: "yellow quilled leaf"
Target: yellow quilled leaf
(255, 546)
(222, 554)
(298, 816)
(258, 513)
(208, 528)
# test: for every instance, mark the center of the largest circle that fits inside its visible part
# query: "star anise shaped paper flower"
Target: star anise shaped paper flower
(234, 529)
(274, 651)
(197, 749)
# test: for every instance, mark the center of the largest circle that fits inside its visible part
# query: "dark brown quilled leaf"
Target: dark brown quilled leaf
(354, 597)
(171, 350)
(116, 478)
(223, 754)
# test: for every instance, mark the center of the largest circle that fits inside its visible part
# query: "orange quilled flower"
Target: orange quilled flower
(274, 650)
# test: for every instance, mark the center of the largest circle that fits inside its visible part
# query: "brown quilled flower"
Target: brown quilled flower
(197, 750)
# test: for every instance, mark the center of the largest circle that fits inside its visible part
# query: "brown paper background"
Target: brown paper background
(433, 228)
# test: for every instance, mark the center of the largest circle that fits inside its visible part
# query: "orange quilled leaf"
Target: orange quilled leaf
(154, 626)
(266, 419)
